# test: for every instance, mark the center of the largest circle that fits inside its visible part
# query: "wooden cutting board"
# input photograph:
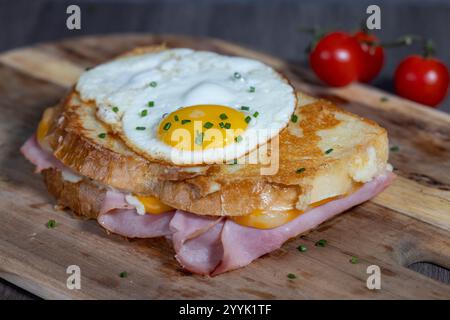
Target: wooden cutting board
(409, 222)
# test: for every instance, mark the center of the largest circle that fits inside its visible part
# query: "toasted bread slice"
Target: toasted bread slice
(326, 153)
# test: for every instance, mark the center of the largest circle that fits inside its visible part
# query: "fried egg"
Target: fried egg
(190, 107)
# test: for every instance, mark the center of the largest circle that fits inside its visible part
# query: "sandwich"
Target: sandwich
(218, 154)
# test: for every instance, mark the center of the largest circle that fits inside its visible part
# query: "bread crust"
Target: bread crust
(221, 190)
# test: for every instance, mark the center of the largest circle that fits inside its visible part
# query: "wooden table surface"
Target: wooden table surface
(406, 225)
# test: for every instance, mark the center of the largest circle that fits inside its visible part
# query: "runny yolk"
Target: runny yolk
(153, 205)
(200, 127)
(268, 219)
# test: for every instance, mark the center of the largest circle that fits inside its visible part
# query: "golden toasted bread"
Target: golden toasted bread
(325, 154)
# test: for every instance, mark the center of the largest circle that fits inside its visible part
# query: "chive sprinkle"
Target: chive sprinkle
(329, 151)
(102, 135)
(153, 84)
(167, 126)
(208, 125)
(251, 89)
(237, 75)
(321, 243)
(221, 124)
(51, 224)
(384, 99)
(185, 121)
(354, 260)
(248, 119)
(144, 113)
(238, 139)
(176, 118)
(394, 148)
(256, 114)
(291, 276)
(123, 274)
(294, 118)
(223, 116)
(140, 128)
(302, 248)
(300, 170)
(151, 104)
(245, 108)
(199, 138)
(227, 125)
(115, 109)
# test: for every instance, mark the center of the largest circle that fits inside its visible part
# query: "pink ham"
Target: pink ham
(197, 241)
(39, 157)
(128, 223)
(242, 245)
(114, 200)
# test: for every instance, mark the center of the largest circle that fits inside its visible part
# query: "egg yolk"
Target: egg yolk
(202, 127)
(153, 205)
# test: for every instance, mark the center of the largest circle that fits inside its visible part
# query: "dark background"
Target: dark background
(268, 25)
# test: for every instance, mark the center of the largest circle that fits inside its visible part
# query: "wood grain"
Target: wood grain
(407, 223)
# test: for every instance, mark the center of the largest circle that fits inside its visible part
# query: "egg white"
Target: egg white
(121, 90)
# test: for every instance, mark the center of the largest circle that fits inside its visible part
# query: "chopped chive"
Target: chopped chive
(153, 84)
(300, 170)
(185, 121)
(227, 125)
(115, 109)
(144, 113)
(140, 128)
(102, 135)
(123, 274)
(234, 161)
(208, 125)
(167, 126)
(321, 243)
(256, 114)
(176, 118)
(294, 118)
(329, 151)
(51, 224)
(238, 139)
(237, 75)
(251, 89)
(384, 99)
(248, 119)
(302, 248)
(151, 104)
(245, 108)
(223, 116)
(221, 124)
(394, 148)
(354, 260)
(291, 276)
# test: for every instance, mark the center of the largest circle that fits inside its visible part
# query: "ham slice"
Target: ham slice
(128, 223)
(242, 245)
(208, 245)
(197, 241)
(39, 157)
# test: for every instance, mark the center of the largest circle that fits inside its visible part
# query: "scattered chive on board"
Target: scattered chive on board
(291, 276)
(300, 170)
(102, 135)
(294, 118)
(354, 260)
(51, 224)
(321, 243)
(329, 151)
(123, 274)
(302, 248)
(394, 148)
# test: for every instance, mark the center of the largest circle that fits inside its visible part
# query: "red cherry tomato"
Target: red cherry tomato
(336, 59)
(424, 80)
(372, 56)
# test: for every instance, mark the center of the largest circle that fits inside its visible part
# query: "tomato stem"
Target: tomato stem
(317, 34)
(428, 49)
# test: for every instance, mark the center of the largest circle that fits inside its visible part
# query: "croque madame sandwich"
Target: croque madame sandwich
(218, 154)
